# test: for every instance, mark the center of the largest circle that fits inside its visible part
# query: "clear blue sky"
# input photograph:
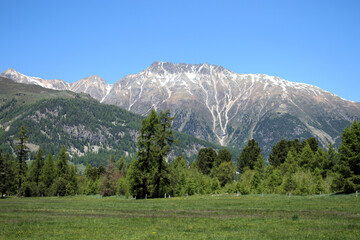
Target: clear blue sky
(315, 42)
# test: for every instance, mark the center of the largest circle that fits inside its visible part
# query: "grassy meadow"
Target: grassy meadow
(196, 217)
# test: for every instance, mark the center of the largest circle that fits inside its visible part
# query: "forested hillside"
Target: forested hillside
(91, 131)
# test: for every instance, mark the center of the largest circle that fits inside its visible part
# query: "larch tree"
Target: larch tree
(206, 160)
(21, 152)
(249, 155)
(141, 169)
(348, 166)
(164, 139)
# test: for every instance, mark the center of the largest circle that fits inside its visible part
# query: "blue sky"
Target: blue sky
(315, 42)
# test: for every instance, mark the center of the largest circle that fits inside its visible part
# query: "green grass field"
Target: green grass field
(198, 217)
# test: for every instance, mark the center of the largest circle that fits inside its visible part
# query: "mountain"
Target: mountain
(55, 84)
(93, 85)
(218, 105)
(91, 131)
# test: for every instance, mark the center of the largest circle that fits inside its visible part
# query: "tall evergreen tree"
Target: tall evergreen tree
(332, 156)
(320, 162)
(249, 155)
(313, 143)
(8, 176)
(108, 180)
(48, 174)
(206, 160)
(164, 139)
(223, 156)
(290, 164)
(260, 165)
(306, 157)
(36, 166)
(142, 169)
(348, 166)
(62, 162)
(122, 166)
(279, 153)
(225, 172)
(21, 151)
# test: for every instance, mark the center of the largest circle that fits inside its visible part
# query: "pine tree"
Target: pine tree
(289, 183)
(225, 172)
(141, 170)
(306, 157)
(164, 139)
(279, 153)
(258, 178)
(48, 175)
(319, 185)
(122, 166)
(108, 180)
(321, 162)
(260, 165)
(313, 144)
(348, 166)
(36, 166)
(62, 163)
(223, 156)
(22, 151)
(290, 164)
(206, 160)
(9, 175)
(332, 156)
(72, 183)
(249, 155)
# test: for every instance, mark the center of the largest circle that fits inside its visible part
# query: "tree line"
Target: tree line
(293, 166)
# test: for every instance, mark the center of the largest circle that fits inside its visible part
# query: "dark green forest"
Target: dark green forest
(299, 168)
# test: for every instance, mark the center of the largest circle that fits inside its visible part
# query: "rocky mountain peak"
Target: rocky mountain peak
(218, 105)
(94, 85)
(13, 74)
(93, 80)
(165, 68)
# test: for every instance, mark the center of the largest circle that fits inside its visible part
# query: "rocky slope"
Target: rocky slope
(218, 105)
(91, 131)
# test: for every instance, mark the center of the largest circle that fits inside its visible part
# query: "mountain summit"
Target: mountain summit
(218, 105)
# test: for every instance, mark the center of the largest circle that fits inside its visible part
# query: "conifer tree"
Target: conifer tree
(320, 162)
(108, 180)
(348, 166)
(142, 169)
(8, 174)
(122, 166)
(249, 155)
(164, 139)
(48, 174)
(260, 165)
(223, 156)
(62, 163)
(332, 156)
(21, 151)
(206, 160)
(279, 153)
(306, 157)
(36, 166)
(225, 172)
(290, 164)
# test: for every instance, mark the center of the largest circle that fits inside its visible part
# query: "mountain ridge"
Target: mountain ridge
(218, 105)
(78, 121)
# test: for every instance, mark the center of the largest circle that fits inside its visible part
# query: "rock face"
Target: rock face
(218, 105)
(93, 85)
(56, 84)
